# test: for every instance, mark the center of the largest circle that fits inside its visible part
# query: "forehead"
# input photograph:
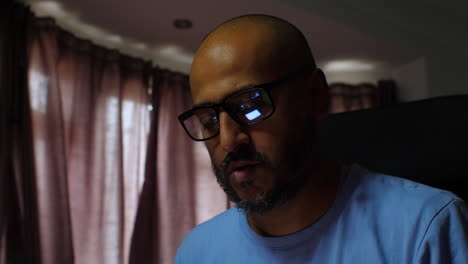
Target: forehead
(214, 90)
(230, 66)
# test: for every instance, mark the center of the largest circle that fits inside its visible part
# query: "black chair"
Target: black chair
(425, 141)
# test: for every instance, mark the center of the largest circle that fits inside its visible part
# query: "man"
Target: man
(258, 96)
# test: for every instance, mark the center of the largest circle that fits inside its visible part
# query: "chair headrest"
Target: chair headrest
(426, 140)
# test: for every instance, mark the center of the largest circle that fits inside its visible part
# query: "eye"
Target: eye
(209, 121)
(255, 95)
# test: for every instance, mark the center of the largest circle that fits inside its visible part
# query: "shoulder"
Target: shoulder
(430, 222)
(399, 193)
(445, 238)
(207, 234)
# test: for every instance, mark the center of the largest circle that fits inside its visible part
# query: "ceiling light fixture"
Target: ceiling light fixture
(182, 23)
(348, 65)
(175, 52)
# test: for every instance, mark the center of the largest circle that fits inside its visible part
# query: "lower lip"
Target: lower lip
(243, 175)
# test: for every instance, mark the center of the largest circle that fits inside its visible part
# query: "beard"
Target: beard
(289, 175)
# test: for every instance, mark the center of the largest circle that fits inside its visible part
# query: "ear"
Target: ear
(318, 94)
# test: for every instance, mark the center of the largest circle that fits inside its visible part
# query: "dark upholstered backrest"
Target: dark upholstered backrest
(425, 141)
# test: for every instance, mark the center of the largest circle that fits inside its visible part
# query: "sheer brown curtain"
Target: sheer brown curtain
(89, 122)
(347, 97)
(183, 191)
(82, 136)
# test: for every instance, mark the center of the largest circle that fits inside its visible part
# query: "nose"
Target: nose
(232, 134)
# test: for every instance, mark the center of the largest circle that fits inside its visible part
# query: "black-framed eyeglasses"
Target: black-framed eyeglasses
(248, 106)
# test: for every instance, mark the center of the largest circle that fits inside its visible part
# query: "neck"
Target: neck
(305, 208)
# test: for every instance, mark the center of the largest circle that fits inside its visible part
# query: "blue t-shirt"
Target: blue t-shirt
(376, 218)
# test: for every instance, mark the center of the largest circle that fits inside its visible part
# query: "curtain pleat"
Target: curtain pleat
(346, 97)
(144, 240)
(19, 232)
(180, 189)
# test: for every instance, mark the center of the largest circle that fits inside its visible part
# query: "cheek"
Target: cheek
(281, 125)
(285, 128)
(268, 138)
(217, 155)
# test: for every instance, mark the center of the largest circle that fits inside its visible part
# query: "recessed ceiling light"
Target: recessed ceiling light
(182, 23)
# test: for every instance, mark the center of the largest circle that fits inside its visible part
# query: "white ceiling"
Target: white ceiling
(145, 28)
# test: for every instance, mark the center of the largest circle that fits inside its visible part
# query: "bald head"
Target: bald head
(281, 33)
(262, 44)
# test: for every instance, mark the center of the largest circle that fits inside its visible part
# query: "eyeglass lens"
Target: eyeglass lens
(248, 107)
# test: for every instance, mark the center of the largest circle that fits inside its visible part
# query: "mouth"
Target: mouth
(243, 169)
(241, 165)
(242, 172)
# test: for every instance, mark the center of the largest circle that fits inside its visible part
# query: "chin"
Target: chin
(261, 204)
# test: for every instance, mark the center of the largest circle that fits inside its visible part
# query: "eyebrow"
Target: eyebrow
(247, 86)
(203, 104)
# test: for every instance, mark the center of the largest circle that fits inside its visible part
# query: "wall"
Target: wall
(447, 72)
(411, 79)
(357, 77)
(436, 30)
